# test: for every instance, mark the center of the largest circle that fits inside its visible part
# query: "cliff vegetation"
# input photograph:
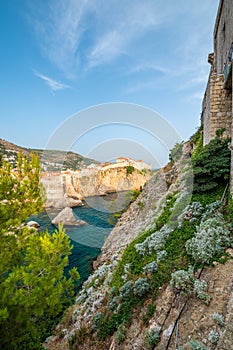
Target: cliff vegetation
(163, 281)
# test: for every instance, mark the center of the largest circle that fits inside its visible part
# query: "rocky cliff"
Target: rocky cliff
(70, 187)
(146, 292)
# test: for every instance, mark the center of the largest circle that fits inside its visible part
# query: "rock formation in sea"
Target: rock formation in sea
(67, 218)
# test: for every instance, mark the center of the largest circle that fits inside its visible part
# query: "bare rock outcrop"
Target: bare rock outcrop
(67, 218)
(70, 187)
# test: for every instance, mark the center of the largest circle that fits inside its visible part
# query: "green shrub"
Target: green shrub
(213, 336)
(211, 166)
(219, 319)
(141, 205)
(197, 345)
(197, 141)
(185, 282)
(149, 313)
(152, 337)
(176, 152)
(141, 287)
(121, 333)
(130, 169)
(211, 239)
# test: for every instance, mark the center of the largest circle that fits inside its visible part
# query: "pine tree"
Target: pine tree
(33, 288)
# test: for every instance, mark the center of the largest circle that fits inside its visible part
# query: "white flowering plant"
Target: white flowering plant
(213, 336)
(211, 238)
(185, 282)
(219, 319)
(141, 287)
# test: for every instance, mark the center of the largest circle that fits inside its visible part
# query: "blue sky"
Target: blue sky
(59, 57)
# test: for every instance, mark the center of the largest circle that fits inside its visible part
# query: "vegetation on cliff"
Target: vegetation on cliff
(182, 242)
(33, 288)
(51, 160)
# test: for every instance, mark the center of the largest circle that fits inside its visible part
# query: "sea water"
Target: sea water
(88, 239)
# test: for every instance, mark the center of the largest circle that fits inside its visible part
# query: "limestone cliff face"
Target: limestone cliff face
(100, 182)
(62, 187)
(137, 218)
(178, 318)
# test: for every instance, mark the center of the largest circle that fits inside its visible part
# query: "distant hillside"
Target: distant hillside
(50, 160)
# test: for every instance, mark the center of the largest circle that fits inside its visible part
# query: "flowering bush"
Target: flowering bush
(219, 319)
(126, 289)
(211, 238)
(152, 337)
(161, 255)
(197, 345)
(200, 287)
(113, 302)
(191, 213)
(126, 272)
(212, 209)
(151, 267)
(213, 337)
(141, 287)
(96, 320)
(155, 242)
(183, 280)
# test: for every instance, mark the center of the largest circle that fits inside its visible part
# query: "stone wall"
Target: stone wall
(223, 34)
(217, 102)
(217, 112)
(205, 116)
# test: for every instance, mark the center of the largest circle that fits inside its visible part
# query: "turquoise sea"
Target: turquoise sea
(86, 240)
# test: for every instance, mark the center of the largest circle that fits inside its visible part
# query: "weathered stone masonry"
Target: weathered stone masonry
(217, 103)
(217, 108)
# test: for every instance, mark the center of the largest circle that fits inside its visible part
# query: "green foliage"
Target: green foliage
(213, 336)
(197, 141)
(185, 281)
(20, 192)
(156, 254)
(149, 313)
(211, 239)
(33, 289)
(211, 166)
(141, 205)
(152, 337)
(208, 197)
(132, 257)
(130, 169)
(197, 345)
(145, 171)
(219, 319)
(230, 207)
(220, 132)
(176, 152)
(121, 333)
(141, 287)
(130, 197)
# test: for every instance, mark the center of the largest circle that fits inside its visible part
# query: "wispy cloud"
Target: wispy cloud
(53, 84)
(164, 41)
(127, 29)
(59, 27)
(82, 35)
